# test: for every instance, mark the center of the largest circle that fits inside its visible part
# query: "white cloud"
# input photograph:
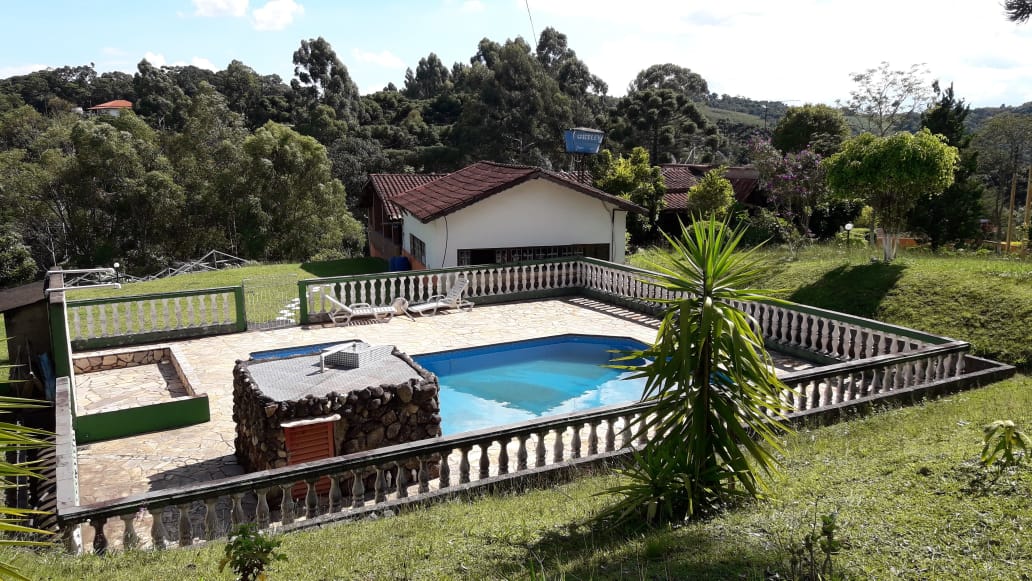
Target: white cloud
(203, 63)
(797, 49)
(472, 6)
(155, 59)
(18, 70)
(235, 8)
(385, 59)
(276, 14)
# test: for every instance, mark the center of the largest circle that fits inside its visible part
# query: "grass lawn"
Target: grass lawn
(903, 481)
(276, 284)
(234, 276)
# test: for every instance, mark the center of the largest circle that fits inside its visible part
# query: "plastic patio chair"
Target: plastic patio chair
(452, 300)
(340, 313)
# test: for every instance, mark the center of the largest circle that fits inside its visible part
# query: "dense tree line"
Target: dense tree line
(273, 169)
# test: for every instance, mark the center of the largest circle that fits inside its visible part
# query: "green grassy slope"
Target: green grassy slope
(234, 276)
(904, 484)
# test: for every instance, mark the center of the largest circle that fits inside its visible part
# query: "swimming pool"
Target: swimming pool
(506, 383)
(314, 349)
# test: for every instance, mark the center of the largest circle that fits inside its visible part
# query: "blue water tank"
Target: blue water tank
(582, 140)
(399, 263)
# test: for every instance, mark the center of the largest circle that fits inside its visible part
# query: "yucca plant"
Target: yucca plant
(718, 403)
(15, 437)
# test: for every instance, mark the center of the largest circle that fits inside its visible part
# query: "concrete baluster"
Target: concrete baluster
(357, 490)
(209, 518)
(557, 449)
(610, 440)
(402, 480)
(157, 530)
(593, 437)
(336, 498)
(185, 528)
(311, 499)
(286, 504)
(236, 513)
(503, 456)
(485, 461)
(380, 486)
(100, 542)
(539, 451)
(444, 481)
(464, 465)
(521, 453)
(262, 515)
(130, 540)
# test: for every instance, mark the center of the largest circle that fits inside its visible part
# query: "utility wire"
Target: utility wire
(531, 18)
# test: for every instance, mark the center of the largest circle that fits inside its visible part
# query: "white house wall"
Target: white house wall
(535, 213)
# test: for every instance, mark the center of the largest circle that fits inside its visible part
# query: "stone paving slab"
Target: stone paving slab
(129, 387)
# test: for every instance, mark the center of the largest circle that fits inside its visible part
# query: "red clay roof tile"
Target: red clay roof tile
(116, 104)
(447, 194)
(680, 177)
(389, 185)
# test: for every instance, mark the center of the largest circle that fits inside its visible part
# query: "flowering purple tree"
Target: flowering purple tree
(795, 182)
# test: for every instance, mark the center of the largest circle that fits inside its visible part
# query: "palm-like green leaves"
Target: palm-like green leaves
(718, 403)
(15, 437)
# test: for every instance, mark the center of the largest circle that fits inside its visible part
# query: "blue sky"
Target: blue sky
(791, 50)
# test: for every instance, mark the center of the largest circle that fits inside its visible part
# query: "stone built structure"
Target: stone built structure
(384, 402)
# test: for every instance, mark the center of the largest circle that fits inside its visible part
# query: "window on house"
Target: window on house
(527, 253)
(418, 248)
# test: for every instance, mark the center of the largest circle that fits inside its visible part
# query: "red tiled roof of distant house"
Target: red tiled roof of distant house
(680, 177)
(116, 104)
(389, 185)
(473, 183)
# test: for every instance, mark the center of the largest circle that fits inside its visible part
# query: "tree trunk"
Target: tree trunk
(890, 241)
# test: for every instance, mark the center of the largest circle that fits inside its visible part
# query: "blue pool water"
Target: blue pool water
(292, 351)
(512, 382)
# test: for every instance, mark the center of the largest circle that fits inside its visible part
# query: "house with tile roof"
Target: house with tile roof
(493, 213)
(681, 177)
(113, 108)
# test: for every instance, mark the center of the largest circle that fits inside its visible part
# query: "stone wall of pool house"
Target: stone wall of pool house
(363, 419)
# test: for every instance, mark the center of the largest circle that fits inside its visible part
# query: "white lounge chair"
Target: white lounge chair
(341, 313)
(452, 300)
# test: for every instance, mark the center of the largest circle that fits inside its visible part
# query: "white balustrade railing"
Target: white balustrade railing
(818, 331)
(154, 315)
(402, 473)
(409, 472)
(420, 285)
(867, 379)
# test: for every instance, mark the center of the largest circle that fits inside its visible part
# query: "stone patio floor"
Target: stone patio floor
(117, 468)
(104, 391)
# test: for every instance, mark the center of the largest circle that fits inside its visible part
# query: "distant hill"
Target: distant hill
(743, 111)
(979, 116)
(716, 115)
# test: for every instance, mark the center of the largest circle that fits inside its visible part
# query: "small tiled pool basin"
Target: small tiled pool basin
(501, 384)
